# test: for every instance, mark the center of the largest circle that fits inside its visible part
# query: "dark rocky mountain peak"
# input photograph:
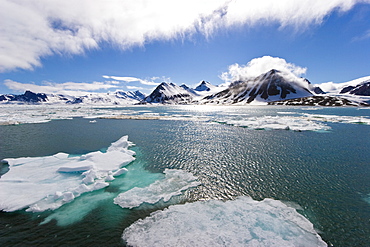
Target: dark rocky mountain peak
(271, 86)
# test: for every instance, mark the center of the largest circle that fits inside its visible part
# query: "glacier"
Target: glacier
(240, 222)
(42, 183)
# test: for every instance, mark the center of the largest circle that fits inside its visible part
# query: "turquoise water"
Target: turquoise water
(325, 172)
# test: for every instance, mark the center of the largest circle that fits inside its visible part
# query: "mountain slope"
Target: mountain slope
(271, 86)
(204, 86)
(362, 89)
(170, 93)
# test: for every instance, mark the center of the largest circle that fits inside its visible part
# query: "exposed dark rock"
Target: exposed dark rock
(318, 101)
(75, 101)
(318, 90)
(347, 89)
(363, 90)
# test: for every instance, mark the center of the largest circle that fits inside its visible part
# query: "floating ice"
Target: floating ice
(278, 122)
(338, 119)
(43, 183)
(242, 222)
(173, 184)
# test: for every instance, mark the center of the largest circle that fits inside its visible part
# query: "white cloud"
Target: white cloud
(58, 88)
(364, 36)
(121, 78)
(258, 66)
(134, 88)
(33, 29)
(133, 79)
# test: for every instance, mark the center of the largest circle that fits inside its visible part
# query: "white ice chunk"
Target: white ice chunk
(277, 123)
(68, 196)
(242, 222)
(42, 183)
(58, 195)
(109, 178)
(173, 184)
(89, 177)
(100, 185)
(120, 172)
(339, 119)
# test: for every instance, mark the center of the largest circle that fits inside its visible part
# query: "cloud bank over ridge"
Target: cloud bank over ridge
(31, 30)
(261, 65)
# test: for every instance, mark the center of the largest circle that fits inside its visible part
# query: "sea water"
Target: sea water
(269, 172)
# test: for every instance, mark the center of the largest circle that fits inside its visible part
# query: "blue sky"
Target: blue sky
(56, 46)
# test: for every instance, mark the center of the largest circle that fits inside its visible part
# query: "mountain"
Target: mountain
(170, 93)
(271, 86)
(27, 97)
(204, 86)
(350, 87)
(362, 89)
(116, 98)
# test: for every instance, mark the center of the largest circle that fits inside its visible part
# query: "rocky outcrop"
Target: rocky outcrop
(319, 101)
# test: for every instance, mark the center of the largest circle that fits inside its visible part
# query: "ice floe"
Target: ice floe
(338, 119)
(277, 123)
(41, 183)
(173, 184)
(242, 222)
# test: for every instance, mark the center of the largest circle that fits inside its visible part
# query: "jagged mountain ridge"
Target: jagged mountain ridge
(116, 98)
(27, 97)
(271, 86)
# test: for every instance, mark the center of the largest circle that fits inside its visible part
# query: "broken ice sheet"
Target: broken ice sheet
(41, 183)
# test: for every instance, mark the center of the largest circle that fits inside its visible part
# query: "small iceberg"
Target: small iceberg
(241, 222)
(42, 183)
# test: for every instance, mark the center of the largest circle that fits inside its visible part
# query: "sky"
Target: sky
(69, 46)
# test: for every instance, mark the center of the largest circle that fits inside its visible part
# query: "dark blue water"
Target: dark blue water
(326, 173)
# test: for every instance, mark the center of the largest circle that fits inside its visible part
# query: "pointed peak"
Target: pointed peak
(273, 71)
(204, 86)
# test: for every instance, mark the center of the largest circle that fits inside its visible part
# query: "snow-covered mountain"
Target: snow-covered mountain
(116, 98)
(356, 91)
(350, 87)
(27, 97)
(204, 86)
(170, 93)
(362, 89)
(271, 86)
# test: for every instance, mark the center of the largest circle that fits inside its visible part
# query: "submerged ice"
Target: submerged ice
(173, 184)
(242, 222)
(41, 183)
